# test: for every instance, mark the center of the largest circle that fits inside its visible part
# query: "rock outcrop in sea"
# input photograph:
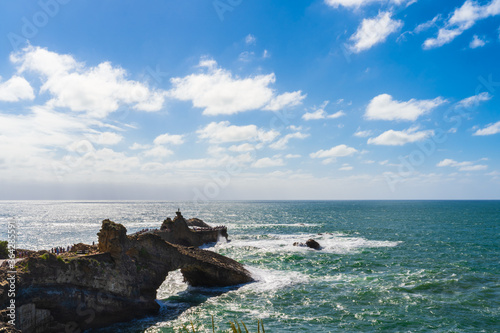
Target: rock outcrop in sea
(119, 283)
(193, 232)
(309, 243)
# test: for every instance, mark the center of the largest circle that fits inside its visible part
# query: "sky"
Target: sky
(249, 100)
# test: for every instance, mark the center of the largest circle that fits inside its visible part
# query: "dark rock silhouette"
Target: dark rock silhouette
(117, 284)
(309, 243)
(313, 244)
(178, 231)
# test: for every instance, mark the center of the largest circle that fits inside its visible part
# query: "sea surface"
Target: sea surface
(385, 266)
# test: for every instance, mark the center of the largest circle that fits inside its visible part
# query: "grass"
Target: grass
(4, 249)
(235, 327)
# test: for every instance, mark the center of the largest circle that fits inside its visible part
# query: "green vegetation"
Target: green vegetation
(4, 251)
(144, 253)
(235, 327)
(23, 266)
(45, 256)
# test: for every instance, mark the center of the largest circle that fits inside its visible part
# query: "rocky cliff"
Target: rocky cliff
(178, 231)
(117, 284)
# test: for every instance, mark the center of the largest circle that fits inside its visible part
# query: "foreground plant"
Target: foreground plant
(235, 327)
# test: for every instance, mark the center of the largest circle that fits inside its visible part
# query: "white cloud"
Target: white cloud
(383, 107)
(474, 100)
(358, 3)
(288, 99)
(477, 167)
(336, 115)
(282, 143)
(246, 56)
(40, 130)
(295, 128)
(106, 138)
(315, 115)
(346, 167)
(96, 90)
(207, 62)
(267, 162)
(169, 139)
(109, 161)
(223, 132)
(158, 151)
(250, 39)
(489, 130)
(426, 25)
(45, 145)
(462, 19)
(293, 156)
(334, 152)
(216, 150)
(449, 162)
(218, 92)
(320, 113)
(210, 163)
(363, 134)
(138, 146)
(400, 138)
(476, 42)
(16, 89)
(152, 167)
(462, 166)
(244, 147)
(373, 31)
(444, 37)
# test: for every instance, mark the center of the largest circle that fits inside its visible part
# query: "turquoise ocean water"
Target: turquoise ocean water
(386, 266)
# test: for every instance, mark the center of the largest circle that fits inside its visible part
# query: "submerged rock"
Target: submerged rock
(309, 243)
(313, 244)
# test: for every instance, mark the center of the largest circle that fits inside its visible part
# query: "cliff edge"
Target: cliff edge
(117, 284)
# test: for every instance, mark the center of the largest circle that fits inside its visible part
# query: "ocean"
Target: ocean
(385, 266)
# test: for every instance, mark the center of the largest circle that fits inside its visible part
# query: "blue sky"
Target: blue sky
(239, 99)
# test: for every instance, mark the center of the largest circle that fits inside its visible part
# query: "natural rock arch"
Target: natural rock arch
(118, 284)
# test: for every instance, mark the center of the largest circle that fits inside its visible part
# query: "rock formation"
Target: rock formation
(178, 231)
(117, 284)
(309, 243)
(313, 244)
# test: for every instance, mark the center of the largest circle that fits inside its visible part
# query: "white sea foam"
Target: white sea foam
(268, 280)
(173, 284)
(271, 225)
(330, 243)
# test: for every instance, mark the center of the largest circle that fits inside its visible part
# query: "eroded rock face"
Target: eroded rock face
(112, 238)
(119, 284)
(178, 231)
